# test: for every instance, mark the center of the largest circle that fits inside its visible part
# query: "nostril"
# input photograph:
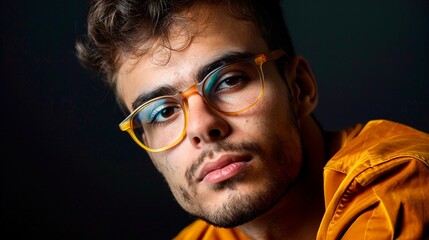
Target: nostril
(196, 140)
(215, 133)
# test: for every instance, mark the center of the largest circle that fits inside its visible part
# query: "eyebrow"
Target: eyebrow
(167, 89)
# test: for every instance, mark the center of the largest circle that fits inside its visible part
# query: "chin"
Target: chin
(239, 204)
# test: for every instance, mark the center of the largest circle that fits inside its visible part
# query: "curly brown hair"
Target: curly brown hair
(117, 28)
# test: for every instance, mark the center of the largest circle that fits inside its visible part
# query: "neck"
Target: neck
(298, 214)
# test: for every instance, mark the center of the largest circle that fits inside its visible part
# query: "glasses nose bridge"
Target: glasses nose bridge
(194, 89)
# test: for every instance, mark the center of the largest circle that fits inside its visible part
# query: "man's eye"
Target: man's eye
(159, 113)
(232, 81)
(163, 113)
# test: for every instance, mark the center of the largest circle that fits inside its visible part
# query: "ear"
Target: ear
(303, 86)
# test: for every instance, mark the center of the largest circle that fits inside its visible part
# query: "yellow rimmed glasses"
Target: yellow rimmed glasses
(160, 123)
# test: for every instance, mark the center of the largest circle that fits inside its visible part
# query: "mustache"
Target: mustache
(224, 146)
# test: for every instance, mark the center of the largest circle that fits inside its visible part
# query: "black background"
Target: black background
(69, 173)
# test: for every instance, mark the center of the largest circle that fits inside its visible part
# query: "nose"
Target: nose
(205, 125)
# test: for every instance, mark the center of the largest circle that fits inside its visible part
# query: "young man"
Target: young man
(215, 94)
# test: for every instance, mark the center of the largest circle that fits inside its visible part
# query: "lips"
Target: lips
(222, 169)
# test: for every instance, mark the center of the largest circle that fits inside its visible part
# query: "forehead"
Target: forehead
(214, 32)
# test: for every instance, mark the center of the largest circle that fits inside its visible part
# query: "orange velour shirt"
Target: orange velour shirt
(376, 187)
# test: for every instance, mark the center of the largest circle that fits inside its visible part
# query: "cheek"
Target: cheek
(172, 169)
(278, 106)
(274, 109)
(271, 119)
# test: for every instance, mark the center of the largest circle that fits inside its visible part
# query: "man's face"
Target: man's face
(228, 169)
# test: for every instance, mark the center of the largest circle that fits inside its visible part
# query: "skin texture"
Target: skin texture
(276, 147)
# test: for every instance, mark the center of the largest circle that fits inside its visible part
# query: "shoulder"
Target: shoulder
(379, 142)
(376, 185)
(380, 151)
(199, 229)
